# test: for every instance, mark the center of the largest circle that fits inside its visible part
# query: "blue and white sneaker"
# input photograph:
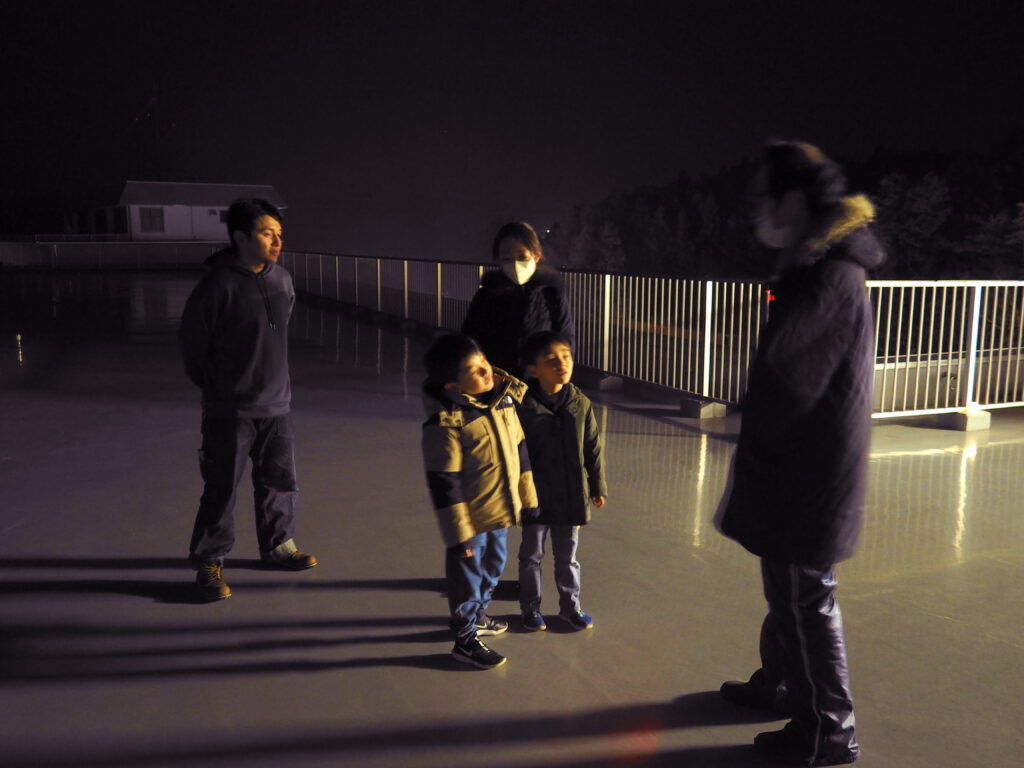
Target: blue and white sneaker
(578, 620)
(491, 626)
(534, 622)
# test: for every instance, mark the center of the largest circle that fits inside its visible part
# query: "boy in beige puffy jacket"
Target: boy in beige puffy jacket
(478, 474)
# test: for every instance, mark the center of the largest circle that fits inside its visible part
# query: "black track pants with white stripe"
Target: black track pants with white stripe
(802, 642)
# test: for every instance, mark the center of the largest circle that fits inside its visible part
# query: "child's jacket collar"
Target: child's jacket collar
(450, 413)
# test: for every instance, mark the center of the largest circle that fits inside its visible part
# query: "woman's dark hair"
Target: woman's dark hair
(446, 355)
(521, 232)
(246, 211)
(791, 165)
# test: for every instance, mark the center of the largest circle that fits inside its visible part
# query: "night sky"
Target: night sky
(415, 129)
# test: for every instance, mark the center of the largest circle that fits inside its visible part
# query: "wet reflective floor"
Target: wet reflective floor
(106, 659)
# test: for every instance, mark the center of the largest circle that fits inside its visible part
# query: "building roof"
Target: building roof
(194, 193)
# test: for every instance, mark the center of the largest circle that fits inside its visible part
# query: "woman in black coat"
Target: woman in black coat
(522, 298)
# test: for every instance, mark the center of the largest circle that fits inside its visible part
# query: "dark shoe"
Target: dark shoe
(756, 694)
(210, 580)
(473, 651)
(787, 746)
(292, 561)
(491, 626)
(534, 622)
(578, 620)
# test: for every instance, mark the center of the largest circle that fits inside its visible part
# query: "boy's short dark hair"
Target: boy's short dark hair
(521, 232)
(246, 211)
(538, 343)
(446, 355)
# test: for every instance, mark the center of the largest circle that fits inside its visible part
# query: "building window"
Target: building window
(120, 220)
(151, 219)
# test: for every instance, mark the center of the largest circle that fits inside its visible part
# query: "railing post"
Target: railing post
(709, 308)
(439, 318)
(606, 325)
(378, 285)
(972, 360)
(355, 280)
(405, 289)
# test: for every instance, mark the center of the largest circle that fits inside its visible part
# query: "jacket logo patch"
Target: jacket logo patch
(450, 418)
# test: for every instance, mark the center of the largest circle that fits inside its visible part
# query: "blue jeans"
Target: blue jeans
(472, 578)
(565, 539)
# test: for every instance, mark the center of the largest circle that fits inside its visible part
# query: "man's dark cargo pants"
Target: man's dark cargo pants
(227, 443)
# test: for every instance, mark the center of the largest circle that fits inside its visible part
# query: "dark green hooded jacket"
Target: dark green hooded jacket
(566, 454)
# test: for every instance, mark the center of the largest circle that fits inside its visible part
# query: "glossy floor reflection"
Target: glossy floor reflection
(107, 660)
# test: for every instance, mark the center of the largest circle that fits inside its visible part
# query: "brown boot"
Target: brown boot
(288, 556)
(292, 561)
(210, 580)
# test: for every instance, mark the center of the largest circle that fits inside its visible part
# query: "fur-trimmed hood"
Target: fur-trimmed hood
(848, 236)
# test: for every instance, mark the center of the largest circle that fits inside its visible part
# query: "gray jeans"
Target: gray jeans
(564, 541)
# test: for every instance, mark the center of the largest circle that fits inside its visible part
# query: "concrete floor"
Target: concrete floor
(107, 660)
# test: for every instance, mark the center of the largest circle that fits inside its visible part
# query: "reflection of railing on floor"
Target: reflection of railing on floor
(925, 509)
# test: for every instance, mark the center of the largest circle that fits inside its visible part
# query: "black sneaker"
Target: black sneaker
(787, 746)
(491, 626)
(473, 651)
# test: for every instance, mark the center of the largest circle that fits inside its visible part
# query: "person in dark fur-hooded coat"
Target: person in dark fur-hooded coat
(796, 493)
(799, 476)
(522, 298)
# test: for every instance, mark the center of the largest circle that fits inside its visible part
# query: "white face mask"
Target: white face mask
(519, 271)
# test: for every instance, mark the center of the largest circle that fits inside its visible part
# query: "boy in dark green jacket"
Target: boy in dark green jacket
(568, 469)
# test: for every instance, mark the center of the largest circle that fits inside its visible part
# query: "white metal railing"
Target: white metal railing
(941, 346)
(947, 345)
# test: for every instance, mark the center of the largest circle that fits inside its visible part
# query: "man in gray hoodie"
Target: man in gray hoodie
(234, 341)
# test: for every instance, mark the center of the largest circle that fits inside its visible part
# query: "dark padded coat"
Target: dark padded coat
(502, 315)
(799, 475)
(566, 453)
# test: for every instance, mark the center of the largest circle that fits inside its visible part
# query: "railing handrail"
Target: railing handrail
(941, 345)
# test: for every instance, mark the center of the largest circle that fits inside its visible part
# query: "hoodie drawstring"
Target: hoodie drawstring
(266, 302)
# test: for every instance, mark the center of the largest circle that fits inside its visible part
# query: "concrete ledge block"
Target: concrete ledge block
(965, 420)
(695, 408)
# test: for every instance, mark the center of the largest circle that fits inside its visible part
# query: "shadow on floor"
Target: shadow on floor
(50, 563)
(68, 652)
(185, 593)
(640, 725)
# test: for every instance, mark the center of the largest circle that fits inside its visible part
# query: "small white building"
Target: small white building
(168, 210)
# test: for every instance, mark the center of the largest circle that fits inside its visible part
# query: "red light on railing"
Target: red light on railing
(769, 294)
